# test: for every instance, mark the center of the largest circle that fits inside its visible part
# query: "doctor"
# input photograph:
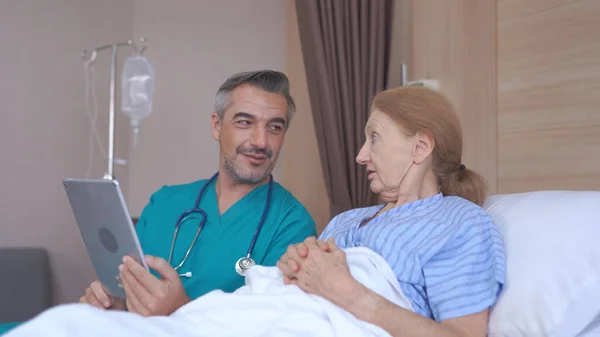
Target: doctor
(247, 214)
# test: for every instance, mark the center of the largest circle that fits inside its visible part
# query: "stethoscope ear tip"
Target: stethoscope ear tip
(187, 274)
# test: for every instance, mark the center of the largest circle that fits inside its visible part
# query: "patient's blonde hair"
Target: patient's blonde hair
(420, 108)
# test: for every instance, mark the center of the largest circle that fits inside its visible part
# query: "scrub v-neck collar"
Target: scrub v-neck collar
(251, 202)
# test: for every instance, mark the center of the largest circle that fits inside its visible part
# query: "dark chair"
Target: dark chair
(25, 286)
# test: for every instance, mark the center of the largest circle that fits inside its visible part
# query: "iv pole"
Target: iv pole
(109, 175)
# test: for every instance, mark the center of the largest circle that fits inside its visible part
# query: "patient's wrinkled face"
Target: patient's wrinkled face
(251, 133)
(387, 153)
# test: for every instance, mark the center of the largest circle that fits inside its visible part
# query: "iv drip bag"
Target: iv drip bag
(137, 89)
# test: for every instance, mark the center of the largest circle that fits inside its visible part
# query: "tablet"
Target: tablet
(106, 228)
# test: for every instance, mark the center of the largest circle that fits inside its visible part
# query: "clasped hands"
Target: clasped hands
(320, 268)
(146, 294)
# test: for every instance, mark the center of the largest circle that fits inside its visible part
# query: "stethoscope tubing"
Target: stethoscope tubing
(197, 209)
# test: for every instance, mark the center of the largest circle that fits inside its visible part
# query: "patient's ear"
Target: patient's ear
(424, 144)
(216, 126)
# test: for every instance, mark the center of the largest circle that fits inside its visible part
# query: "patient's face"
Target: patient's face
(387, 153)
(251, 133)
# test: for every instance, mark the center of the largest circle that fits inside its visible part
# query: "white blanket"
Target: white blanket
(263, 307)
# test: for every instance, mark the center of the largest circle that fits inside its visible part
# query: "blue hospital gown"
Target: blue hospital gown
(446, 252)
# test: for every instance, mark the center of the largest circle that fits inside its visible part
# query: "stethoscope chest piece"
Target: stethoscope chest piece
(243, 264)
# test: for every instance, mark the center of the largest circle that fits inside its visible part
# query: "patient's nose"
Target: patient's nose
(363, 155)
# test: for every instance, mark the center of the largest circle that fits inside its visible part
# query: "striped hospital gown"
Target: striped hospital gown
(446, 252)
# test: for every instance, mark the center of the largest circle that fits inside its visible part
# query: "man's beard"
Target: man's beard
(250, 178)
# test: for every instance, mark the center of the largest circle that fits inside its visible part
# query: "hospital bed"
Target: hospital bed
(552, 241)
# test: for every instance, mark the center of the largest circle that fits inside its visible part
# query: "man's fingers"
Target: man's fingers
(98, 295)
(94, 302)
(162, 267)
(141, 274)
(90, 299)
(135, 288)
(132, 302)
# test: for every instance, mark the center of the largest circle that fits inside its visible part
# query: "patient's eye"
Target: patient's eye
(374, 137)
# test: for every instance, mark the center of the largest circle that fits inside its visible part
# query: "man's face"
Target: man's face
(251, 133)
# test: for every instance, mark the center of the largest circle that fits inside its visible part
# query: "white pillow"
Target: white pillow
(552, 241)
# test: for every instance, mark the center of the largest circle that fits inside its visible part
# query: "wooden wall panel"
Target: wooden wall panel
(454, 41)
(549, 95)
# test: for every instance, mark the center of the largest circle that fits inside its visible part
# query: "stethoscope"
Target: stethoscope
(244, 263)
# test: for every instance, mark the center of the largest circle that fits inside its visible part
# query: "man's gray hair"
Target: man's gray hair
(267, 80)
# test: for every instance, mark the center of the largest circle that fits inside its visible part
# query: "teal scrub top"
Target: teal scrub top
(5, 327)
(225, 238)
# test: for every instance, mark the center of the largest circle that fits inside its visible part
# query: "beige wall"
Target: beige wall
(43, 128)
(194, 47)
(301, 168)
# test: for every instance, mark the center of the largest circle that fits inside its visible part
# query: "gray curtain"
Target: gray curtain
(345, 44)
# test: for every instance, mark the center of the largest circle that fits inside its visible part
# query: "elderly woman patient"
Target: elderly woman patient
(445, 251)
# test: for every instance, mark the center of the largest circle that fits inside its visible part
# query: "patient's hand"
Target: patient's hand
(148, 295)
(295, 253)
(321, 269)
(96, 296)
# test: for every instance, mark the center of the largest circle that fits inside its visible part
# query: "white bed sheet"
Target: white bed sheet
(264, 307)
(592, 330)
